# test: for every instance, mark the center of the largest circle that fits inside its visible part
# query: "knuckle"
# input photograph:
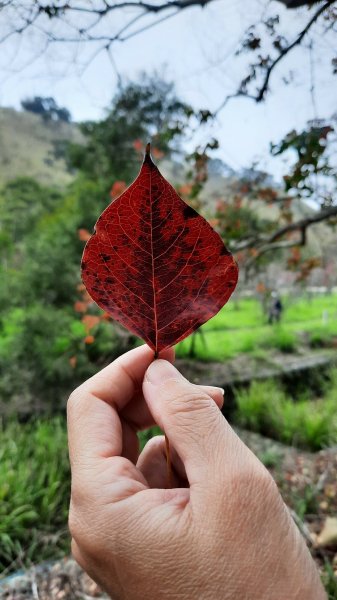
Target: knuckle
(253, 486)
(183, 399)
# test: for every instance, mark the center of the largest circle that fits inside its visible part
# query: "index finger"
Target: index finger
(94, 427)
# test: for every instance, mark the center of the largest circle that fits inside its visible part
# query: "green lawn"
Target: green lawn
(240, 327)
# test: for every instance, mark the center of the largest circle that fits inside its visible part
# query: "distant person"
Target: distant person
(276, 309)
(222, 532)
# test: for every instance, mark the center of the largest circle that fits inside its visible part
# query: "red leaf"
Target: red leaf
(155, 265)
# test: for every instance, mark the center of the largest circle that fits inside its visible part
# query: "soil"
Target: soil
(308, 483)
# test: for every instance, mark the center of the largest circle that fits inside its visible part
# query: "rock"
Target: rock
(328, 535)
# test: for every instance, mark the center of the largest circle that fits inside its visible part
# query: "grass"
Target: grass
(321, 337)
(265, 408)
(34, 492)
(306, 502)
(220, 345)
(240, 328)
(329, 581)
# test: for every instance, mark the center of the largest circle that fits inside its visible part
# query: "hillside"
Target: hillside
(32, 147)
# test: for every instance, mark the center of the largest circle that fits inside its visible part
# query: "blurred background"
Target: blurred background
(239, 102)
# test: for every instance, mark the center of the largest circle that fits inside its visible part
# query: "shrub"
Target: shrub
(282, 339)
(320, 338)
(41, 343)
(258, 407)
(265, 408)
(307, 424)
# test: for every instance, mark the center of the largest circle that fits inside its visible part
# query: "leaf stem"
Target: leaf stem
(168, 463)
(167, 446)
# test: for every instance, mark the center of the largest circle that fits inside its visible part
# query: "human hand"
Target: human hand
(222, 533)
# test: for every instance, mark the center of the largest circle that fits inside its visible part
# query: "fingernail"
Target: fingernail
(161, 370)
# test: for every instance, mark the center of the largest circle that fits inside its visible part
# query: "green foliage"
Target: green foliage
(271, 458)
(329, 581)
(41, 335)
(38, 342)
(265, 408)
(148, 110)
(321, 337)
(237, 221)
(22, 202)
(34, 492)
(147, 434)
(39, 329)
(282, 339)
(306, 502)
(311, 147)
(257, 407)
(47, 108)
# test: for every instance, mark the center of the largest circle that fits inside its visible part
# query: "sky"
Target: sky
(195, 49)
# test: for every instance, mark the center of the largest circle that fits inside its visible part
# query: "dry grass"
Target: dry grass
(28, 144)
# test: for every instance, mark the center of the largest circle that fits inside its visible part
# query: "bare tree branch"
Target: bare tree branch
(291, 46)
(321, 215)
(298, 3)
(271, 243)
(26, 15)
(260, 95)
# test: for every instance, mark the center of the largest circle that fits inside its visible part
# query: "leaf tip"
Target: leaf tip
(148, 149)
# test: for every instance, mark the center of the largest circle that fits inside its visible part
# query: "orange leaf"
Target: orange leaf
(185, 189)
(213, 222)
(73, 361)
(80, 307)
(117, 189)
(89, 321)
(261, 288)
(89, 339)
(156, 153)
(138, 145)
(84, 235)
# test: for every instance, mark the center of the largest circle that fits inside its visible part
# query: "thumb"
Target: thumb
(189, 417)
